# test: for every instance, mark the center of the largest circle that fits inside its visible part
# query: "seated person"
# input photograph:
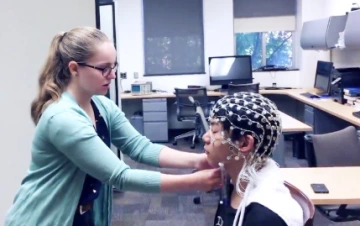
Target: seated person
(244, 131)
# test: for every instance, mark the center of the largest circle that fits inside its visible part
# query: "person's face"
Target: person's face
(215, 150)
(94, 76)
(218, 151)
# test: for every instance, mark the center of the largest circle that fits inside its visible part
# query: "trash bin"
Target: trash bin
(137, 121)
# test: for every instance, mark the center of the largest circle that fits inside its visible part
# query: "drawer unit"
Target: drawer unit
(156, 131)
(155, 119)
(155, 105)
(155, 116)
(309, 115)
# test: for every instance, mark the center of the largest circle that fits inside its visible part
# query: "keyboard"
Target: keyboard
(310, 95)
(275, 88)
(356, 114)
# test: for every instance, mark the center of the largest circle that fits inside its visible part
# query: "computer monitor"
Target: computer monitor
(323, 76)
(224, 70)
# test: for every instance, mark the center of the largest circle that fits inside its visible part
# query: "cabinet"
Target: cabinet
(322, 34)
(309, 116)
(352, 30)
(155, 119)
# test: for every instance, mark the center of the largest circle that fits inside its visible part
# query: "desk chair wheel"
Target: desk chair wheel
(192, 146)
(197, 201)
(174, 143)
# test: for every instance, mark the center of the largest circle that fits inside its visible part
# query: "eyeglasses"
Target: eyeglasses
(106, 71)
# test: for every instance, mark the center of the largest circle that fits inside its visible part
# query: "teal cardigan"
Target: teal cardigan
(66, 148)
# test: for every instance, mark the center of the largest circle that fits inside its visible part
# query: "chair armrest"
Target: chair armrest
(340, 213)
(209, 107)
(348, 210)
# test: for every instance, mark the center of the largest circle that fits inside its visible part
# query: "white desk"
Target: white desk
(289, 125)
(341, 182)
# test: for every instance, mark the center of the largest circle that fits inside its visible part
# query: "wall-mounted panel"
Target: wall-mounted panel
(352, 30)
(322, 34)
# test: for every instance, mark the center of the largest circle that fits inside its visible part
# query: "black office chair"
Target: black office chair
(340, 148)
(186, 111)
(249, 87)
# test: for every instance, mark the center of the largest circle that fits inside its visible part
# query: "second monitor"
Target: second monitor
(224, 70)
(323, 77)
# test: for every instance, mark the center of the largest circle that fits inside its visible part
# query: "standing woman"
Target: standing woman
(73, 169)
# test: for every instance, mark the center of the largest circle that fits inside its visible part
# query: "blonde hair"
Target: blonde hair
(76, 45)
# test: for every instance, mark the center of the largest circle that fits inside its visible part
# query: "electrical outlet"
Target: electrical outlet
(123, 75)
(274, 84)
(136, 75)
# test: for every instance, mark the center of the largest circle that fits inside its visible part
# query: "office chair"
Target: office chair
(249, 87)
(340, 148)
(186, 111)
(305, 203)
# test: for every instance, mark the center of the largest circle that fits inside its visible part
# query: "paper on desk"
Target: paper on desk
(357, 106)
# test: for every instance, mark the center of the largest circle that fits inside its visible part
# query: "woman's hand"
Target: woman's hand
(203, 180)
(207, 180)
(202, 163)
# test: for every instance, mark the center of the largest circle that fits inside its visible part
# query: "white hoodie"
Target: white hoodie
(269, 190)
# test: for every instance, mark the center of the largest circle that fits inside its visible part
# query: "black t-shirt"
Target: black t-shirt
(255, 215)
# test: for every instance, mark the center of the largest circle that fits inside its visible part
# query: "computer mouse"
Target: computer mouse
(127, 91)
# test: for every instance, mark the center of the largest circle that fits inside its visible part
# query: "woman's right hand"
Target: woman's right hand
(207, 180)
(202, 180)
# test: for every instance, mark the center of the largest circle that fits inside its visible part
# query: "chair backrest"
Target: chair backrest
(340, 148)
(186, 109)
(249, 87)
(309, 151)
(305, 203)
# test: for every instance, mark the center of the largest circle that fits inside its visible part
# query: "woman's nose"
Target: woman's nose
(206, 137)
(112, 75)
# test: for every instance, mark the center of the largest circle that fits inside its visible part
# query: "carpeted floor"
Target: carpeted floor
(136, 209)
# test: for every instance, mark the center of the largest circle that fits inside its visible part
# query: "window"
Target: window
(264, 30)
(266, 48)
(173, 37)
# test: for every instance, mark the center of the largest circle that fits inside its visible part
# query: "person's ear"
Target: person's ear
(246, 144)
(73, 68)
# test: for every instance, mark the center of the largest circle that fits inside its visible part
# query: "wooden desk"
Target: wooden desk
(127, 96)
(341, 182)
(329, 106)
(289, 125)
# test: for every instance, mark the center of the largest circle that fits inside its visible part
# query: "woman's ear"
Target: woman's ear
(247, 144)
(73, 68)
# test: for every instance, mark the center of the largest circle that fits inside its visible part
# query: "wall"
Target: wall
(344, 57)
(29, 26)
(307, 59)
(218, 37)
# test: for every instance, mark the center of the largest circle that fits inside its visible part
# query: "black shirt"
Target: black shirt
(255, 215)
(92, 186)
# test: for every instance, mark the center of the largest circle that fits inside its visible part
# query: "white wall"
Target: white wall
(218, 38)
(27, 29)
(309, 10)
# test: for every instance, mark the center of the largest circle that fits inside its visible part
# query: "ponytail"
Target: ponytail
(76, 45)
(50, 83)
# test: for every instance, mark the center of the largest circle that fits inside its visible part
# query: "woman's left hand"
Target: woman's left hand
(202, 163)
